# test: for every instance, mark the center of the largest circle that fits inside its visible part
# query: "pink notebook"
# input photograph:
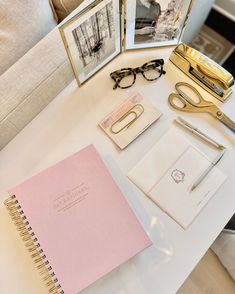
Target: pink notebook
(81, 220)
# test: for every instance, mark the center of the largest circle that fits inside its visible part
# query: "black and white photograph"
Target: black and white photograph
(155, 22)
(95, 39)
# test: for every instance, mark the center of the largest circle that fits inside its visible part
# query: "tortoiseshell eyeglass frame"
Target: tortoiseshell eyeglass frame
(118, 75)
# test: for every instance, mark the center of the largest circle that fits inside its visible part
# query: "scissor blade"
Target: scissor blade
(228, 122)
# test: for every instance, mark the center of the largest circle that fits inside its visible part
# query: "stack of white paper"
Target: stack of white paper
(168, 171)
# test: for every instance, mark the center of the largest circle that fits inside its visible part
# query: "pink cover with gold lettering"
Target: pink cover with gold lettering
(81, 219)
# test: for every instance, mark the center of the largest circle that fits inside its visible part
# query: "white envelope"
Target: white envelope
(168, 171)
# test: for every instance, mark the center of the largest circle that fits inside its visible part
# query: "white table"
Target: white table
(68, 124)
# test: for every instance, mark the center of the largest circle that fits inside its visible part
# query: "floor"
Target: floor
(209, 277)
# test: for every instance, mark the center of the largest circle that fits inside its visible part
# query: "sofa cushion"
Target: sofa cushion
(22, 25)
(64, 7)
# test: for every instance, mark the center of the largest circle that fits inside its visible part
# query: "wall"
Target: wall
(226, 7)
(196, 19)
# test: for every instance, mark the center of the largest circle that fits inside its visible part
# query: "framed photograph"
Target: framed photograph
(92, 38)
(153, 23)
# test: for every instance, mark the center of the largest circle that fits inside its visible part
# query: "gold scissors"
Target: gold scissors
(187, 104)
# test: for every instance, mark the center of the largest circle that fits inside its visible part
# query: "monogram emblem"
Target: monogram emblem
(178, 176)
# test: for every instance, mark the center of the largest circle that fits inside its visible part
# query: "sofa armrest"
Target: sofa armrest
(31, 83)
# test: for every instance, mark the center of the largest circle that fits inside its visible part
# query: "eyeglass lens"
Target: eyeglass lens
(151, 71)
(127, 78)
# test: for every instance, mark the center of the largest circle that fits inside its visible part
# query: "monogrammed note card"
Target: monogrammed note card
(167, 173)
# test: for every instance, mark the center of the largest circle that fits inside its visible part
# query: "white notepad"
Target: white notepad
(167, 173)
(135, 105)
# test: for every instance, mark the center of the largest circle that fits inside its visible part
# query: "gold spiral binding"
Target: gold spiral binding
(31, 242)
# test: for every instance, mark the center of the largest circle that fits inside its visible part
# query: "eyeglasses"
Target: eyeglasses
(125, 77)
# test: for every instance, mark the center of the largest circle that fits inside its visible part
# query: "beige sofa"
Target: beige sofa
(31, 83)
(32, 71)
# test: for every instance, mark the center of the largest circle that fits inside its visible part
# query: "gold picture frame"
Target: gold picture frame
(92, 38)
(157, 23)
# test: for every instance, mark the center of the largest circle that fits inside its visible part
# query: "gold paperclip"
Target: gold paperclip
(136, 110)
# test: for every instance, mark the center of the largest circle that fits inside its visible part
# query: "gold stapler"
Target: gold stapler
(204, 71)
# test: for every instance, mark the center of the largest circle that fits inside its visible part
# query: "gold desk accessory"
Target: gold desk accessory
(194, 102)
(133, 114)
(129, 119)
(204, 71)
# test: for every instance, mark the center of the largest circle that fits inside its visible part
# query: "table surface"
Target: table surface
(69, 123)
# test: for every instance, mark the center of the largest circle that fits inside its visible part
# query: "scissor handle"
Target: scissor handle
(186, 106)
(200, 103)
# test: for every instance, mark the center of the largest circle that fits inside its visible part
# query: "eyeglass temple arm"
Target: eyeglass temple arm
(116, 82)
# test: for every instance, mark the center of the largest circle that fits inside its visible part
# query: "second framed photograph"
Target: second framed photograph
(153, 23)
(92, 38)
